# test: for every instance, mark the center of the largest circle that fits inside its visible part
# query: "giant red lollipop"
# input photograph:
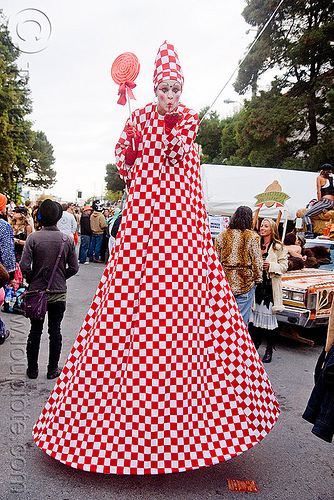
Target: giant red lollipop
(125, 68)
(124, 71)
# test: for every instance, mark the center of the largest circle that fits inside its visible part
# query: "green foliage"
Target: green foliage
(269, 132)
(113, 179)
(266, 128)
(297, 42)
(113, 196)
(209, 136)
(229, 143)
(290, 125)
(25, 155)
(39, 171)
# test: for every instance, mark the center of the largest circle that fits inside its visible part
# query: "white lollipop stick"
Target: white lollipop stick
(129, 104)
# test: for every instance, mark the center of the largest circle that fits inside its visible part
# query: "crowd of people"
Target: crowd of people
(75, 221)
(84, 227)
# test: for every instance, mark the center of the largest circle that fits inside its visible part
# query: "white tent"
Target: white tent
(227, 187)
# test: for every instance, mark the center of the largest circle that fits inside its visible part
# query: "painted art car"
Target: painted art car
(308, 293)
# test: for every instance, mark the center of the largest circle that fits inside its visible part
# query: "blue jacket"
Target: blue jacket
(7, 254)
(320, 408)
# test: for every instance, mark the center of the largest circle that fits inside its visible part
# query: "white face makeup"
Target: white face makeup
(168, 93)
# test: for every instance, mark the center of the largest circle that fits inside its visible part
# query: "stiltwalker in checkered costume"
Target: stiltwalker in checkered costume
(163, 376)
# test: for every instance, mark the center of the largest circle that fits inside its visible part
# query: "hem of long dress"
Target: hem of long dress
(263, 317)
(208, 462)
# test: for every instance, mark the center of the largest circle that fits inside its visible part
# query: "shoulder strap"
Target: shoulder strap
(57, 262)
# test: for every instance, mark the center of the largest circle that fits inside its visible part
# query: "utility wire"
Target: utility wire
(242, 60)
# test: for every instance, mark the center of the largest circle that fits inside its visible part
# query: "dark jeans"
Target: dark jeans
(84, 245)
(95, 246)
(55, 311)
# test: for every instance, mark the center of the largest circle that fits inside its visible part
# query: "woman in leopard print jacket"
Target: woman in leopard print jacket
(238, 250)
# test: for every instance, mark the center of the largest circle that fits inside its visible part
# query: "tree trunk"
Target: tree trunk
(312, 120)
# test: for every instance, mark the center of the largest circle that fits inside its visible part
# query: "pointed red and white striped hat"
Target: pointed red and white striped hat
(167, 65)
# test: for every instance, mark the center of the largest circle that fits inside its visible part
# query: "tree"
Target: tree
(297, 42)
(25, 155)
(8, 77)
(113, 179)
(39, 172)
(209, 136)
(229, 143)
(113, 196)
(267, 130)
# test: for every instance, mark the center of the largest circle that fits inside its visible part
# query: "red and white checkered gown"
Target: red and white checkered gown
(163, 376)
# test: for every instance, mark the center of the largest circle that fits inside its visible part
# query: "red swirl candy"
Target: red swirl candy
(125, 68)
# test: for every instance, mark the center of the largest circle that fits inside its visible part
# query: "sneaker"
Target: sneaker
(86, 263)
(4, 337)
(54, 373)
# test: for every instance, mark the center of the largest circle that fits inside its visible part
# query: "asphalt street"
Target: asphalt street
(290, 463)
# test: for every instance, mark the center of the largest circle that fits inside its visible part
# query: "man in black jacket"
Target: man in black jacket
(85, 234)
(38, 259)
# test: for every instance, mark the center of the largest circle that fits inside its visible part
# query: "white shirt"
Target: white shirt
(67, 224)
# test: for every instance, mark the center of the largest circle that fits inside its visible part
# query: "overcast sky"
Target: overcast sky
(71, 46)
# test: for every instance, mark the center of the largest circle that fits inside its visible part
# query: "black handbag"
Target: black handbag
(34, 303)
